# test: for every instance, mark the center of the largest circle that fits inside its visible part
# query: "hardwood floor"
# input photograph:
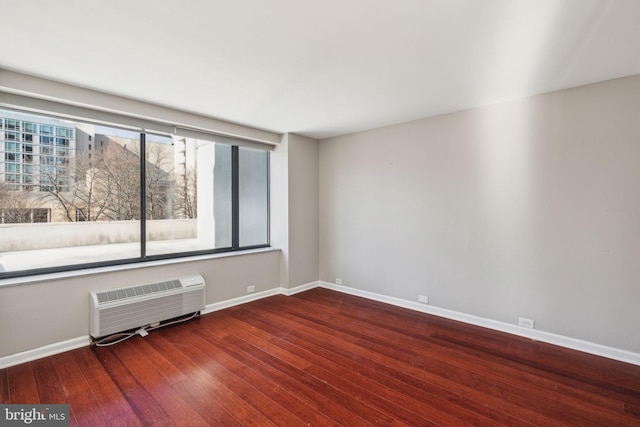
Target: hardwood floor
(325, 358)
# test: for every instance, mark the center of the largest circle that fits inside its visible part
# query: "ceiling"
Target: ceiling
(322, 68)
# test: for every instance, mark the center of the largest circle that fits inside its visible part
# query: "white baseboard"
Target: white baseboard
(210, 308)
(47, 350)
(301, 288)
(534, 334)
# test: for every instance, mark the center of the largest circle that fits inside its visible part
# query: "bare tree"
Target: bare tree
(159, 182)
(77, 187)
(186, 196)
(104, 186)
(120, 182)
(16, 206)
(60, 185)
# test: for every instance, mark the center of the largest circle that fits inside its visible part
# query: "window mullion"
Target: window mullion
(143, 197)
(235, 198)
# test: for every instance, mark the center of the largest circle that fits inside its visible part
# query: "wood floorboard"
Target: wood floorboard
(614, 376)
(47, 382)
(113, 404)
(388, 386)
(197, 385)
(49, 387)
(293, 385)
(84, 405)
(406, 348)
(248, 399)
(143, 404)
(22, 385)
(233, 403)
(437, 385)
(154, 381)
(325, 358)
(561, 410)
(4, 387)
(308, 414)
(347, 376)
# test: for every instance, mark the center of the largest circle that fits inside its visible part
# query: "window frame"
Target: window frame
(235, 143)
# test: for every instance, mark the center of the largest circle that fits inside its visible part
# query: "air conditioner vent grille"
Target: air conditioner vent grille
(135, 291)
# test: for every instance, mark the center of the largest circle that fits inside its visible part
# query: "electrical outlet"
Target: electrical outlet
(527, 323)
(338, 281)
(423, 298)
(251, 289)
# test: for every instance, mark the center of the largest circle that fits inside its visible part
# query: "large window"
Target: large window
(83, 195)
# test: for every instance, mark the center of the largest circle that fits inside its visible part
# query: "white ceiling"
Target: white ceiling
(326, 67)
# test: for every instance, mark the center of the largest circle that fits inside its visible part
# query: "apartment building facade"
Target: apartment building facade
(35, 153)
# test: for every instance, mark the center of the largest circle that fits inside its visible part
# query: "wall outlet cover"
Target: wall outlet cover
(527, 323)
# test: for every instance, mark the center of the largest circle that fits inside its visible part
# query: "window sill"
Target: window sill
(123, 267)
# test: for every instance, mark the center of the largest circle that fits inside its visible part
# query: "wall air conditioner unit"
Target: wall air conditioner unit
(117, 310)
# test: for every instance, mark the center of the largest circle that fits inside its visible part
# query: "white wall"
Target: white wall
(294, 209)
(529, 208)
(36, 314)
(303, 210)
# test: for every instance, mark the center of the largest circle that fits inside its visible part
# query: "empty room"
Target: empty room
(282, 213)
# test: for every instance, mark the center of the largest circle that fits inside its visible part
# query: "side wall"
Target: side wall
(529, 208)
(33, 315)
(294, 209)
(303, 210)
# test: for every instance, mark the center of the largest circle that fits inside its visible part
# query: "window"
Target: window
(64, 132)
(141, 197)
(12, 124)
(30, 127)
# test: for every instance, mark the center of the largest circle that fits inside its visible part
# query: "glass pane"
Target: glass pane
(180, 189)
(253, 184)
(61, 207)
(222, 206)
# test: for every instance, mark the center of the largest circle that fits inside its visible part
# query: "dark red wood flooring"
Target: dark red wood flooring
(323, 358)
